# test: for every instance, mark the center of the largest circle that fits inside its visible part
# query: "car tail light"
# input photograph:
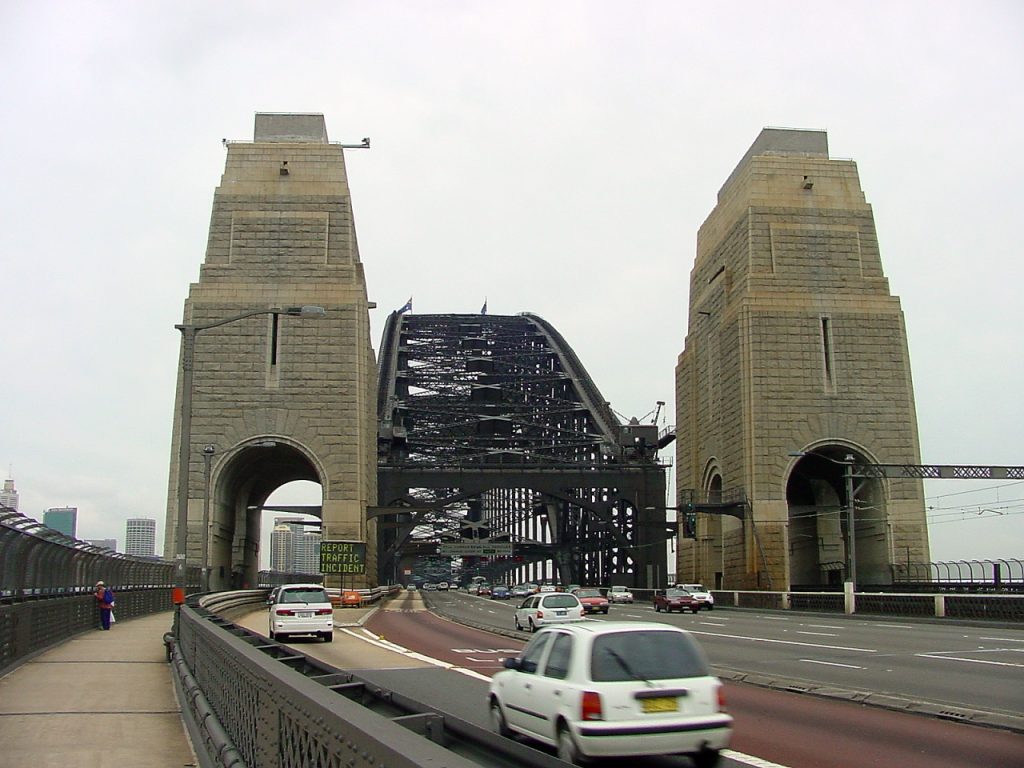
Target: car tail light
(721, 699)
(540, 614)
(285, 612)
(590, 706)
(324, 611)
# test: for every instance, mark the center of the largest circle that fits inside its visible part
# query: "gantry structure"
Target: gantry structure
(494, 442)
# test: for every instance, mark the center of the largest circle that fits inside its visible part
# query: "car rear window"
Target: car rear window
(646, 655)
(561, 601)
(303, 596)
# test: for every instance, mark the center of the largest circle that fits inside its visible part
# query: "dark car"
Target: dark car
(500, 592)
(676, 600)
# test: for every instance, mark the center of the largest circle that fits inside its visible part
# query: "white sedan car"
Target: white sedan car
(546, 608)
(705, 598)
(613, 689)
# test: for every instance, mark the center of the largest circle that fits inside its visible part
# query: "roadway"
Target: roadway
(406, 648)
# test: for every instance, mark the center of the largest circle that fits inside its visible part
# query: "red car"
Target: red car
(676, 600)
(592, 599)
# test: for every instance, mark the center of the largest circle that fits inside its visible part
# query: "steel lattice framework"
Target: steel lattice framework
(490, 427)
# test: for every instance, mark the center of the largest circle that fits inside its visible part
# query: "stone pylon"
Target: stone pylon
(795, 366)
(278, 393)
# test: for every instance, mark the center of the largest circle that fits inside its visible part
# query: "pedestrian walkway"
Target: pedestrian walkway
(100, 700)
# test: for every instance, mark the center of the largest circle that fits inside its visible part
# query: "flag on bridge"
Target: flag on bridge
(407, 307)
(483, 309)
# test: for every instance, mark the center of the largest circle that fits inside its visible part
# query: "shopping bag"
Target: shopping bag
(112, 619)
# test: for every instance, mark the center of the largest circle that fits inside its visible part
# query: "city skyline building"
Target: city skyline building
(63, 520)
(110, 544)
(140, 537)
(9, 496)
(293, 547)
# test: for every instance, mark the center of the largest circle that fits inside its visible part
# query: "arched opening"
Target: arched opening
(819, 537)
(243, 480)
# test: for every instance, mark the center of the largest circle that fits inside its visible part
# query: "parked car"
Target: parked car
(301, 609)
(613, 689)
(676, 600)
(698, 591)
(592, 599)
(442, 586)
(620, 595)
(500, 592)
(547, 608)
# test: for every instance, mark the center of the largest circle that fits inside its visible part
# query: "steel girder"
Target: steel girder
(490, 426)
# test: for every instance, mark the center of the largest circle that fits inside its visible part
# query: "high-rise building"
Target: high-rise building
(9, 496)
(293, 547)
(62, 519)
(110, 544)
(140, 537)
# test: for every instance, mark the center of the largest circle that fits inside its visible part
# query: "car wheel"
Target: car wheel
(567, 749)
(533, 627)
(711, 607)
(518, 625)
(328, 637)
(695, 609)
(706, 758)
(657, 608)
(498, 724)
(280, 637)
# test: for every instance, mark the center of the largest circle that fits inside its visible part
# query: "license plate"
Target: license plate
(663, 704)
(559, 613)
(305, 614)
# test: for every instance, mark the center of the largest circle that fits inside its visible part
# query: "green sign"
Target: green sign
(342, 557)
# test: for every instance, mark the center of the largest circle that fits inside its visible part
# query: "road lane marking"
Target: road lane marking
(895, 626)
(820, 634)
(372, 639)
(1004, 639)
(822, 626)
(783, 642)
(969, 661)
(832, 664)
(756, 762)
(712, 624)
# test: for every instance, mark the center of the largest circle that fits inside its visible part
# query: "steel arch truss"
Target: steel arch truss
(490, 428)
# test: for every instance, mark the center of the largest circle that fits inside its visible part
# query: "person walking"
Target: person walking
(105, 600)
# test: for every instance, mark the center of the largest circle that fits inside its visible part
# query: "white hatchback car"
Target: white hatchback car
(613, 689)
(546, 608)
(301, 609)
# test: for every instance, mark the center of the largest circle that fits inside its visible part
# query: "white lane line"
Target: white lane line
(369, 637)
(756, 762)
(712, 624)
(822, 626)
(783, 642)
(1004, 639)
(969, 661)
(772, 618)
(633, 616)
(820, 634)
(832, 664)
(894, 626)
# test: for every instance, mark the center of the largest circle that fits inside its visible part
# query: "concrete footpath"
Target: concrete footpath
(100, 700)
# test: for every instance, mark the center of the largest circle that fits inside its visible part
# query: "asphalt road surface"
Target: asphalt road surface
(405, 647)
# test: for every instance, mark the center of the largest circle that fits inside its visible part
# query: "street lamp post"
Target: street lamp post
(188, 341)
(208, 452)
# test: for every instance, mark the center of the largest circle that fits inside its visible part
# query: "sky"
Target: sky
(554, 158)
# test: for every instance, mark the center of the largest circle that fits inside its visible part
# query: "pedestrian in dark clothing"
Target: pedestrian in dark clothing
(105, 600)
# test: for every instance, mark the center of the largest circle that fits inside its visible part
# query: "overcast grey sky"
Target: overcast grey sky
(551, 157)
